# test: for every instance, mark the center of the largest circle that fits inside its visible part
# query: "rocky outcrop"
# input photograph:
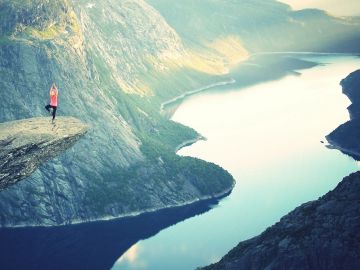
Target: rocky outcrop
(346, 137)
(100, 55)
(322, 234)
(26, 144)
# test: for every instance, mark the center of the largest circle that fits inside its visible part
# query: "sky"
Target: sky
(335, 7)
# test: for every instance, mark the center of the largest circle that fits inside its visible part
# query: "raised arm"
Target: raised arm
(53, 90)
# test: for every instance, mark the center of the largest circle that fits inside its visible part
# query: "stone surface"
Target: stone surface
(322, 234)
(26, 144)
(346, 137)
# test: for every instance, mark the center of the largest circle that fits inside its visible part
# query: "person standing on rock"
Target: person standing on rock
(53, 100)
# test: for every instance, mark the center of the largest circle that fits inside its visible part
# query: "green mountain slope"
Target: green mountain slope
(96, 55)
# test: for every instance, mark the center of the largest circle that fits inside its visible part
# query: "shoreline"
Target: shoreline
(189, 142)
(205, 198)
(232, 80)
(192, 92)
(335, 146)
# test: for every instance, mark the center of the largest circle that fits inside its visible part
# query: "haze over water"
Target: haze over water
(268, 137)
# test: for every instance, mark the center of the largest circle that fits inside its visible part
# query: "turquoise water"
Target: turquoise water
(268, 137)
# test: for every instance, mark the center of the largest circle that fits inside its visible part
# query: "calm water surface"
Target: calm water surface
(268, 137)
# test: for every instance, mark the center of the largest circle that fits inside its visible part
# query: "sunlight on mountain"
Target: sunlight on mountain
(231, 48)
(345, 8)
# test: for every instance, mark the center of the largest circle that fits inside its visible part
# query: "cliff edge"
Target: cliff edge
(26, 144)
(346, 137)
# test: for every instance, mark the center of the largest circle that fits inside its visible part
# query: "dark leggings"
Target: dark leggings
(54, 110)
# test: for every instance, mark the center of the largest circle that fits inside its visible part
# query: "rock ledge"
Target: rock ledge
(26, 144)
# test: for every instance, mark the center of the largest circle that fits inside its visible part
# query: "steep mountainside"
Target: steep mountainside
(126, 163)
(25, 144)
(347, 136)
(259, 26)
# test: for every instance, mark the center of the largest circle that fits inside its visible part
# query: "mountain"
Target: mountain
(346, 137)
(96, 54)
(115, 63)
(258, 26)
(25, 144)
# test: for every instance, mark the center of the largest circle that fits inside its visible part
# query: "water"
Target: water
(95, 245)
(268, 137)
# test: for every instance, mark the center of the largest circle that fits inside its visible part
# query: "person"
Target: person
(53, 100)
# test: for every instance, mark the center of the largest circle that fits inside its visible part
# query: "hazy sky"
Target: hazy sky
(335, 7)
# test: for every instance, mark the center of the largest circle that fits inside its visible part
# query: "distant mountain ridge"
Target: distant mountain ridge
(261, 25)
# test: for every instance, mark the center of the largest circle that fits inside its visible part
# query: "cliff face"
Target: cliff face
(347, 136)
(351, 88)
(100, 55)
(26, 144)
(322, 234)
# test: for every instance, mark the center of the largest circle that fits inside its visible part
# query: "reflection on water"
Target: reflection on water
(268, 137)
(89, 246)
(130, 255)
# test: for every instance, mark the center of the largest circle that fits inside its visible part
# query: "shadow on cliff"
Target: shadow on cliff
(95, 245)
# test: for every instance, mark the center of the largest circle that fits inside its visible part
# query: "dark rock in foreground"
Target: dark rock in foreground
(26, 144)
(322, 234)
(347, 136)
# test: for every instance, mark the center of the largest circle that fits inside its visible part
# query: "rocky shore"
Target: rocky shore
(346, 137)
(322, 234)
